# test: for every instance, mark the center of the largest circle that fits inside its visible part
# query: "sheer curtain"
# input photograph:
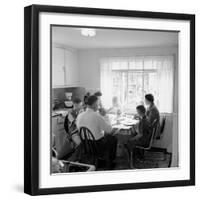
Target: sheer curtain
(160, 80)
(152, 74)
(106, 81)
(165, 83)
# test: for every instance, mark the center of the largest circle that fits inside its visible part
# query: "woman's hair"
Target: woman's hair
(141, 108)
(91, 100)
(149, 97)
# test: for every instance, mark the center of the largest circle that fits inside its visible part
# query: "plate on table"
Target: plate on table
(130, 122)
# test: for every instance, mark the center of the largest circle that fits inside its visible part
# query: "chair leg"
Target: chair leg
(131, 154)
(131, 160)
(140, 153)
(96, 163)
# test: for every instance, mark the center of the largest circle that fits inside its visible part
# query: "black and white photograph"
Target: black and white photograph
(109, 100)
(114, 99)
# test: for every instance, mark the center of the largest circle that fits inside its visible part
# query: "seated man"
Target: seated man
(92, 120)
(85, 100)
(99, 95)
(143, 136)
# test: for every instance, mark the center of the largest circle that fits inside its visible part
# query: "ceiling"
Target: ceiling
(110, 38)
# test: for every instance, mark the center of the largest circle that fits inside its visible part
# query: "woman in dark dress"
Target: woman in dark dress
(152, 112)
(71, 141)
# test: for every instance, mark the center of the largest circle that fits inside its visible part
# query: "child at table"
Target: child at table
(143, 136)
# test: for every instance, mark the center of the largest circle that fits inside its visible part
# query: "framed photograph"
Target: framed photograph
(109, 99)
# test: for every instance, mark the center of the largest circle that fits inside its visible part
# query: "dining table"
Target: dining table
(124, 128)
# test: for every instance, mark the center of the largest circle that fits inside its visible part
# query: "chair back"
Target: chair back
(88, 142)
(162, 124)
(155, 126)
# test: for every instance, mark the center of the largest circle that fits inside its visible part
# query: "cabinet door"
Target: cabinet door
(71, 67)
(58, 67)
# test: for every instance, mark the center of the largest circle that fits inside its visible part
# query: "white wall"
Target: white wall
(11, 101)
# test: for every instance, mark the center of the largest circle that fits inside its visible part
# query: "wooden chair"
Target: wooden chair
(147, 148)
(162, 126)
(157, 153)
(90, 152)
(154, 131)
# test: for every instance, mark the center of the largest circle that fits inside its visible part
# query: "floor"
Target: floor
(156, 158)
(151, 159)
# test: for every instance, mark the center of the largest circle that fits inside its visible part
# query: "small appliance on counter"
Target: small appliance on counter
(57, 104)
(68, 102)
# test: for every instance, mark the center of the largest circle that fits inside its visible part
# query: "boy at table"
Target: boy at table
(143, 136)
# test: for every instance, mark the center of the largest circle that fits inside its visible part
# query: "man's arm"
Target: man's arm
(103, 124)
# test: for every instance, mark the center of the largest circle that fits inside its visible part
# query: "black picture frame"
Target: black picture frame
(31, 98)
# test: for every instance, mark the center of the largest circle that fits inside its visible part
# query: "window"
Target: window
(131, 78)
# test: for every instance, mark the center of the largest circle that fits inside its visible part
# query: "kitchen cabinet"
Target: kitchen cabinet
(58, 67)
(71, 68)
(64, 67)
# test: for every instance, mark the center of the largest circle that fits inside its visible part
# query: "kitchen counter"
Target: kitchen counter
(60, 112)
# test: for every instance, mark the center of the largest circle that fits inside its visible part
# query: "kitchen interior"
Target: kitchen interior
(76, 70)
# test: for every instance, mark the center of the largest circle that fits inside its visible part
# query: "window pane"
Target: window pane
(134, 97)
(136, 63)
(130, 79)
(120, 65)
(151, 85)
(120, 86)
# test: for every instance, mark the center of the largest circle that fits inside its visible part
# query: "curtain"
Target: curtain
(106, 82)
(150, 74)
(160, 82)
(165, 84)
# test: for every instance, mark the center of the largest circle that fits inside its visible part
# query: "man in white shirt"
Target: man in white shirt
(101, 130)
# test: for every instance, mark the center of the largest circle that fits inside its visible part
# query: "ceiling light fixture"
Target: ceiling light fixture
(88, 32)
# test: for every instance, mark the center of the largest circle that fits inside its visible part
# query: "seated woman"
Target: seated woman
(116, 107)
(143, 136)
(69, 142)
(70, 119)
(152, 111)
